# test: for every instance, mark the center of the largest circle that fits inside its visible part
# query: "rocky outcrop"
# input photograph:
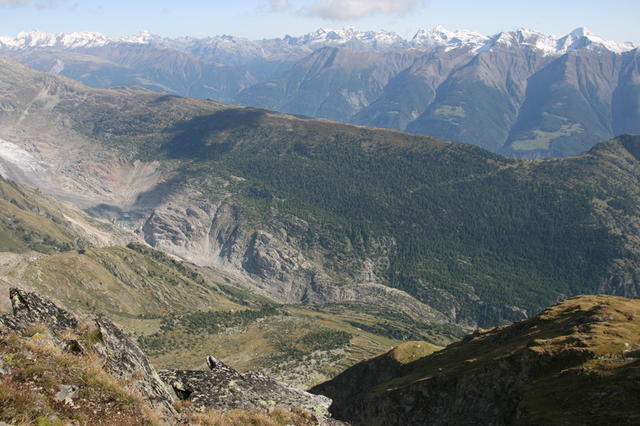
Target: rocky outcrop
(30, 309)
(120, 355)
(213, 231)
(224, 388)
(125, 360)
(221, 388)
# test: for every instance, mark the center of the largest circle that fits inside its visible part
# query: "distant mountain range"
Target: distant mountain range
(519, 93)
(346, 37)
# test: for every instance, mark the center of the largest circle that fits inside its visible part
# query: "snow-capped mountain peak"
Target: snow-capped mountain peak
(523, 37)
(349, 36)
(82, 39)
(40, 39)
(535, 39)
(30, 39)
(582, 38)
(143, 37)
(442, 37)
(436, 38)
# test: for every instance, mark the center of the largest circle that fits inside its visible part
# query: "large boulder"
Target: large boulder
(224, 388)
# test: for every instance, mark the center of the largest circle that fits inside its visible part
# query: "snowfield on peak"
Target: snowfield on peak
(440, 36)
(581, 38)
(39, 39)
(371, 39)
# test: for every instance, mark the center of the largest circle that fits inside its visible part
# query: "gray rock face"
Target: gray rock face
(122, 357)
(125, 359)
(224, 388)
(221, 388)
(29, 308)
(215, 232)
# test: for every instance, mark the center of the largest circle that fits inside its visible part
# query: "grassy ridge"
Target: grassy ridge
(575, 363)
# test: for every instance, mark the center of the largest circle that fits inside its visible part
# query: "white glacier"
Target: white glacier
(12, 156)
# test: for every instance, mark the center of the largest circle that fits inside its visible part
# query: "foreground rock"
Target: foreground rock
(576, 363)
(52, 365)
(121, 357)
(224, 388)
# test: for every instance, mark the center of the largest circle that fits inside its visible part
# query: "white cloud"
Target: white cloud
(47, 4)
(40, 4)
(352, 9)
(14, 2)
(279, 5)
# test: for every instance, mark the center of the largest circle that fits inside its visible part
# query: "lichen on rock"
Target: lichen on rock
(224, 388)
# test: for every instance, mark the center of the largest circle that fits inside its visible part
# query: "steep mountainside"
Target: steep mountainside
(319, 212)
(576, 363)
(331, 83)
(519, 93)
(182, 313)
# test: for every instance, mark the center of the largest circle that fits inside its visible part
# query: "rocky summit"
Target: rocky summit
(577, 362)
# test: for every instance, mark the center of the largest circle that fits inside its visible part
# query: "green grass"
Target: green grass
(125, 283)
(30, 221)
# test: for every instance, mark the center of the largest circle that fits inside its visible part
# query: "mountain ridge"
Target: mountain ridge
(519, 93)
(317, 212)
(575, 363)
(438, 36)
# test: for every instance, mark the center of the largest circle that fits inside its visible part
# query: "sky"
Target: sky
(256, 19)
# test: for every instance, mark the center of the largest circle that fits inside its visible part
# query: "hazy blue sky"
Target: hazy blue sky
(613, 19)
